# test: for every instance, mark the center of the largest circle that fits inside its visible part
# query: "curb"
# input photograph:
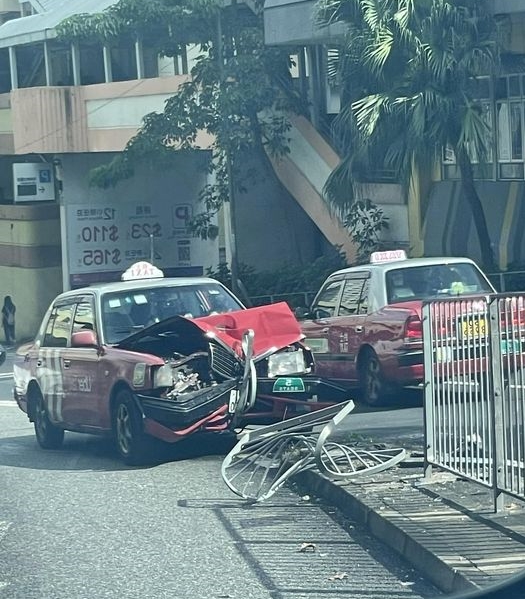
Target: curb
(442, 574)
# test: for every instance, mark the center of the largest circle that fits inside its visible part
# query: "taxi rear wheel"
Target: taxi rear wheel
(373, 389)
(129, 435)
(47, 434)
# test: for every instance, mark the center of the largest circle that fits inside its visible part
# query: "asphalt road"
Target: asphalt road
(77, 524)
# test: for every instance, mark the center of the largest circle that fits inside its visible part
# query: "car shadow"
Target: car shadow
(91, 453)
(405, 398)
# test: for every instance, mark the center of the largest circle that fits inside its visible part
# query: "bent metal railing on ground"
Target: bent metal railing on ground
(265, 458)
(474, 353)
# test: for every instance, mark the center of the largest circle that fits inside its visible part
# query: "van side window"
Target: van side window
(58, 330)
(363, 301)
(326, 303)
(84, 317)
(351, 297)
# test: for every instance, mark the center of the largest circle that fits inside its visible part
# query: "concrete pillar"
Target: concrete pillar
(13, 68)
(47, 64)
(108, 69)
(75, 55)
(139, 58)
(415, 232)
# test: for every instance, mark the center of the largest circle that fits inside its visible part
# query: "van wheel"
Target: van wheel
(130, 439)
(47, 434)
(373, 388)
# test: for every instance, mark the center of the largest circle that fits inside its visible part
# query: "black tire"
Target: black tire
(130, 439)
(47, 434)
(373, 388)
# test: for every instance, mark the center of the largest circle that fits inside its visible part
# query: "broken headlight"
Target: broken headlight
(287, 362)
(163, 376)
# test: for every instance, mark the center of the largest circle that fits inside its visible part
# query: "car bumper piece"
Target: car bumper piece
(195, 407)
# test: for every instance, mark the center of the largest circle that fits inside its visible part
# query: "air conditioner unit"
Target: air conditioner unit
(33, 182)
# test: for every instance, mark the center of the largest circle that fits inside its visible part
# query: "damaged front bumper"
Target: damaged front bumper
(172, 420)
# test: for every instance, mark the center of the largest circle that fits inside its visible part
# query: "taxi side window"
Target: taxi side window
(326, 303)
(58, 330)
(84, 317)
(363, 301)
(351, 300)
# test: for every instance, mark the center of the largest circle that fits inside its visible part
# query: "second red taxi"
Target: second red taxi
(364, 325)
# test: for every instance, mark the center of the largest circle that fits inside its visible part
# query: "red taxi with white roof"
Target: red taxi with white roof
(165, 358)
(364, 325)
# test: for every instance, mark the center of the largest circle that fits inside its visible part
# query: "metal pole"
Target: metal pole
(229, 171)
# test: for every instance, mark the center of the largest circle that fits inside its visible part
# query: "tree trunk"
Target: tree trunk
(472, 197)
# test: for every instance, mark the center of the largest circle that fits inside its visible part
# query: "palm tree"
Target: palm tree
(407, 69)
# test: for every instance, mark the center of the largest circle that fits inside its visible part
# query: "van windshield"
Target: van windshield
(424, 282)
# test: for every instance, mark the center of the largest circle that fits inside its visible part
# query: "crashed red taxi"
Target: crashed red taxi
(162, 358)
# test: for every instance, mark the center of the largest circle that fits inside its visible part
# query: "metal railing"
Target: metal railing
(508, 281)
(474, 353)
(294, 299)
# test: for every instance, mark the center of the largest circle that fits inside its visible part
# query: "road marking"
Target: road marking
(8, 402)
(6, 375)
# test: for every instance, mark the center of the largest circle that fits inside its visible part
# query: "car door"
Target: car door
(82, 387)
(317, 331)
(49, 361)
(347, 327)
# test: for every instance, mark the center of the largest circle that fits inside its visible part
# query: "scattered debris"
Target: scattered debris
(265, 458)
(338, 576)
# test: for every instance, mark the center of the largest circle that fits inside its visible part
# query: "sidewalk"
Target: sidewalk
(446, 528)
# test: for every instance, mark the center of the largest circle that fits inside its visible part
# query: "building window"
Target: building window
(510, 104)
(505, 117)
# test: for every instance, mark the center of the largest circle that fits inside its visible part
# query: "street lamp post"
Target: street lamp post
(229, 171)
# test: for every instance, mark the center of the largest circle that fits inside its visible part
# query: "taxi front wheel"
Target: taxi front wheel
(127, 428)
(47, 434)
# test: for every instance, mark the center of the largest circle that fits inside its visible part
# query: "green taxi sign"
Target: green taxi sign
(288, 385)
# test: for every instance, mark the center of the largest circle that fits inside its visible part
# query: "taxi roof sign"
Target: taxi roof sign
(387, 256)
(142, 270)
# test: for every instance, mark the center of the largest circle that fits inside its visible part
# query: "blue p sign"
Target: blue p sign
(181, 215)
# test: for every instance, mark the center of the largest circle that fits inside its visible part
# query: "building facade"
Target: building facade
(436, 216)
(66, 109)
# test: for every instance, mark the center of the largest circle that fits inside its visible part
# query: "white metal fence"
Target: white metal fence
(475, 390)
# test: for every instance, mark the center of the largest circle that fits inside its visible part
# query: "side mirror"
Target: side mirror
(301, 312)
(86, 338)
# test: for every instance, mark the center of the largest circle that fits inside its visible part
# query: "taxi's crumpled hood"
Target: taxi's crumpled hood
(275, 327)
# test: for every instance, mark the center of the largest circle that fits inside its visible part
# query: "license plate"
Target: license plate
(510, 347)
(288, 385)
(473, 327)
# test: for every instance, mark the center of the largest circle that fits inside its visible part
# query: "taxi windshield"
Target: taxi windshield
(125, 312)
(423, 282)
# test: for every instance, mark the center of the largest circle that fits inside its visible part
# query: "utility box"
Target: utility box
(33, 182)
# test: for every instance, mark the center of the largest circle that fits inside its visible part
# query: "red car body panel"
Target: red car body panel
(275, 326)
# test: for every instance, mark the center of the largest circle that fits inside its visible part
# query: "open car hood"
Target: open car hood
(274, 326)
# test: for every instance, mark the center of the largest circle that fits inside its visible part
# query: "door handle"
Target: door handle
(359, 329)
(67, 363)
